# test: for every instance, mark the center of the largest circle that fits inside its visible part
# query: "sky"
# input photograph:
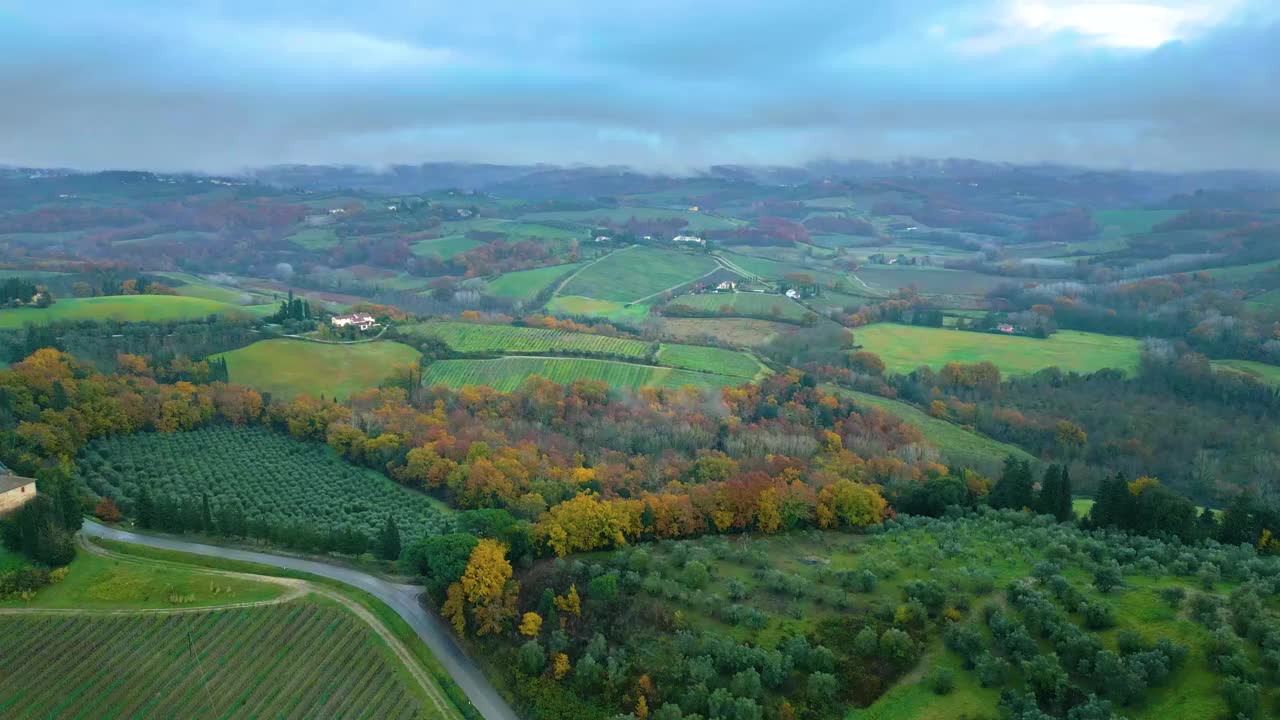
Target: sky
(660, 85)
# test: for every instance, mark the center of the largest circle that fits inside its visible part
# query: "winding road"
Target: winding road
(401, 598)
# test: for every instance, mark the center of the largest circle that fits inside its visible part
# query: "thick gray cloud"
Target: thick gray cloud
(1169, 84)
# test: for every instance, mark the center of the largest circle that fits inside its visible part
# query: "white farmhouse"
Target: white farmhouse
(793, 294)
(688, 239)
(362, 321)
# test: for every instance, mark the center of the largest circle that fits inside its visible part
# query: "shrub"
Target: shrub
(1173, 596)
(941, 681)
(1097, 615)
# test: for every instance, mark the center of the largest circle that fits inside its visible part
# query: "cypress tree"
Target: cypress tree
(206, 513)
(389, 543)
(1064, 510)
(68, 506)
(1047, 500)
(146, 510)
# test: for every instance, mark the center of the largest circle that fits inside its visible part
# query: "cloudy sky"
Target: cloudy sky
(660, 84)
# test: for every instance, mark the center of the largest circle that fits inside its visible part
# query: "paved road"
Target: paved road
(401, 598)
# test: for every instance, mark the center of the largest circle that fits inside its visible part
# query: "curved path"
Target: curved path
(401, 598)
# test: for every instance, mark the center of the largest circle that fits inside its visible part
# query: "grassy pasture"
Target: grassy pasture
(576, 305)
(303, 659)
(929, 280)
(526, 284)
(318, 238)
(903, 348)
(96, 582)
(446, 247)
(1120, 223)
(637, 272)
(1267, 301)
(475, 338)
(746, 304)
(697, 221)
(958, 444)
(287, 368)
(1269, 374)
(132, 308)
(196, 286)
(506, 374)
(710, 359)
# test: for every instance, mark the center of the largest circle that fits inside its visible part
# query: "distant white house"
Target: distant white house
(603, 238)
(647, 237)
(337, 211)
(464, 213)
(688, 239)
(793, 294)
(1005, 328)
(727, 285)
(393, 208)
(363, 321)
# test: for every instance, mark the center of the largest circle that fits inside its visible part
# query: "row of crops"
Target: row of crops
(506, 374)
(266, 474)
(709, 359)
(473, 338)
(295, 660)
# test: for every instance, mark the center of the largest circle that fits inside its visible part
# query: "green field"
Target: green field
(636, 273)
(102, 582)
(957, 443)
(321, 238)
(1120, 223)
(446, 247)
(506, 374)
(299, 659)
(130, 308)
(196, 286)
(903, 348)
(710, 359)
(526, 284)
(287, 368)
(737, 332)
(929, 280)
(1269, 301)
(577, 306)
(1269, 374)
(746, 304)
(265, 474)
(1241, 274)
(475, 338)
(698, 221)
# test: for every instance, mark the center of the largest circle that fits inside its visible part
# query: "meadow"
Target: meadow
(476, 338)
(196, 286)
(265, 474)
(1269, 374)
(578, 306)
(929, 280)
(446, 247)
(129, 308)
(710, 359)
(957, 444)
(1267, 301)
(321, 238)
(1121, 223)
(903, 348)
(506, 374)
(637, 273)
(287, 368)
(526, 284)
(744, 304)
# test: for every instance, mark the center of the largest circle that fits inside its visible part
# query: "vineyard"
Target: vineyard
(506, 374)
(292, 660)
(266, 474)
(472, 338)
(710, 359)
(526, 284)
